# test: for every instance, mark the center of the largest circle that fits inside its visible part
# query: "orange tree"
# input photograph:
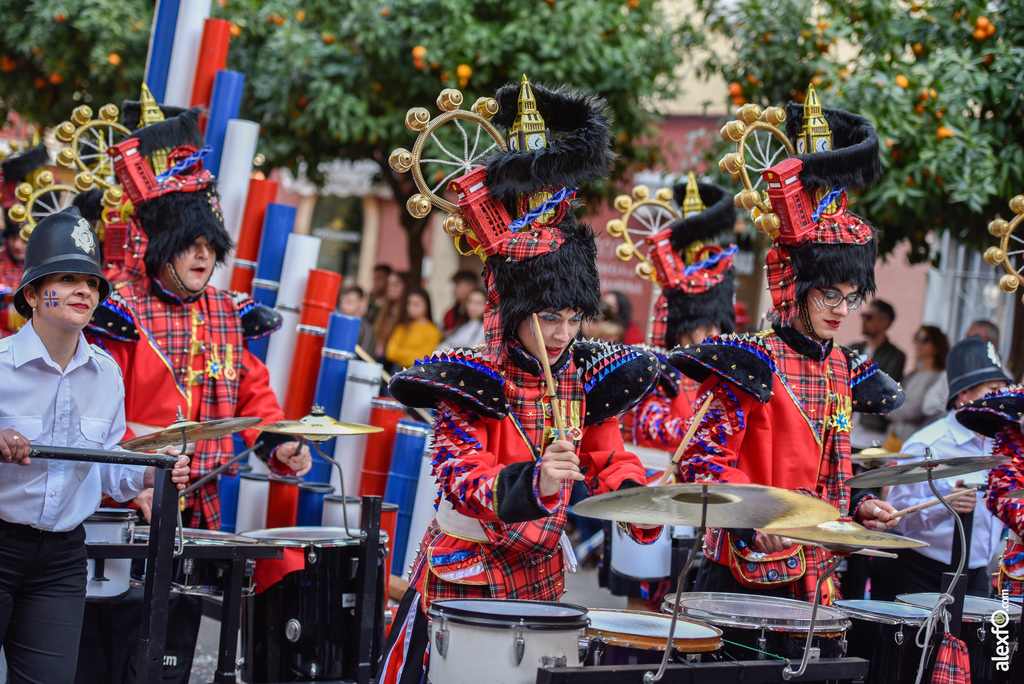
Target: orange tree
(330, 80)
(941, 81)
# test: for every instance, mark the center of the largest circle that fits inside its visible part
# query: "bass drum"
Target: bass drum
(758, 627)
(300, 625)
(502, 641)
(196, 576)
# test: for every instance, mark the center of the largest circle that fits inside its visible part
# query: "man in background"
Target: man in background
(463, 282)
(869, 430)
(352, 302)
(378, 294)
(935, 400)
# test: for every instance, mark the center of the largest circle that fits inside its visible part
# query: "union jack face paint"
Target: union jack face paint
(50, 298)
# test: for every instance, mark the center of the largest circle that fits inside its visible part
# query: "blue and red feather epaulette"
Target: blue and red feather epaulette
(994, 411)
(460, 376)
(872, 390)
(615, 377)
(741, 359)
(258, 320)
(113, 320)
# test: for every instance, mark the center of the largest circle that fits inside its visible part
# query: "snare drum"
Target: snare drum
(630, 637)
(198, 576)
(885, 634)
(109, 578)
(989, 650)
(756, 627)
(304, 626)
(502, 641)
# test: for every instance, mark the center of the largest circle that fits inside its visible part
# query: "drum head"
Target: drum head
(885, 612)
(305, 536)
(976, 609)
(649, 631)
(744, 611)
(508, 613)
(198, 536)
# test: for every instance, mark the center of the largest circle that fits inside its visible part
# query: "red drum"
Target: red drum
(318, 302)
(261, 193)
(384, 413)
(283, 501)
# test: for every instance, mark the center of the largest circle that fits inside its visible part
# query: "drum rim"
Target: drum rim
(828, 620)
(316, 488)
(338, 497)
(700, 644)
(296, 542)
(449, 609)
(882, 618)
(216, 536)
(1015, 611)
(113, 515)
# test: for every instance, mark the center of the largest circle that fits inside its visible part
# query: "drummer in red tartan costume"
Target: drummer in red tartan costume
(14, 170)
(179, 342)
(998, 415)
(504, 477)
(781, 400)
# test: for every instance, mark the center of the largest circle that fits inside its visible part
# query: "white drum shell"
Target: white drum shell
(638, 561)
(116, 570)
(332, 516)
(252, 504)
(362, 385)
(478, 654)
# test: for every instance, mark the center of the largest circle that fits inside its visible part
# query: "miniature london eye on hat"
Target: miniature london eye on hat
(514, 205)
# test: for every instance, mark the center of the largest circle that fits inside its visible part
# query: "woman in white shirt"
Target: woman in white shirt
(61, 391)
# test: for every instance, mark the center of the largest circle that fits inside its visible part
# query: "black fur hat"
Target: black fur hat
(578, 146)
(565, 278)
(175, 220)
(819, 265)
(853, 161)
(90, 204)
(715, 221)
(689, 312)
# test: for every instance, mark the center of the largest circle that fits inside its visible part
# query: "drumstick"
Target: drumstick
(555, 413)
(687, 438)
(929, 504)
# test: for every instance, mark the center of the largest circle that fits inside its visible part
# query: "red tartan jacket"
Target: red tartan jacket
(799, 439)
(163, 371)
(10, 276)
(488, 469)
(1002, 480)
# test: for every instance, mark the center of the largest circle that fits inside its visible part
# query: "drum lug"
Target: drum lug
(311, 555)
(441, 637)
(899, 636)
(188, 566)
(843, 644)
(520, 643)
(762, 644)
(584, 648)
(250, 567)
(293, 630)
(982, 634)
(313, 670)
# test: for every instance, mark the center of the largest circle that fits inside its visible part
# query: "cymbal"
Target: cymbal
(844, 536)
(193, 432)
(729, 505)
(319, 427)
(910, 473)
(876, 455)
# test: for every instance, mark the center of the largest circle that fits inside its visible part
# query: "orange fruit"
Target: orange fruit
(302, 101)
(979, 34)
(300, 16)
(236, 30)
(56, 79)
(419, 64)
(7, 65)
(419, 51)
(990, 30)
(328, 38)
(910, 181)
(902, 81)
(944, 132)
(444, 76)
(39, 82)
(918, 49)
(114, 58)
(938, 181)
(932, 93)
(982, 22)
(751, 79)
(464, 71)
(385, 12)
(633, 4)
(739, 100)
(816, 81)
(735, 89)
(60, 18)
(919, 109)
(889, 142)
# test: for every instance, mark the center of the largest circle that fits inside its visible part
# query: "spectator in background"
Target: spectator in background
(930, 349)
(620, 310)
(470, 333)
(869, 429)
(986, 330)
(378, 295)
(415, 336)
(463, 282)
(352, 302)
(391, 311)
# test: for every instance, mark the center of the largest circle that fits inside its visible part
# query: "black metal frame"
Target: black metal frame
(745, 672)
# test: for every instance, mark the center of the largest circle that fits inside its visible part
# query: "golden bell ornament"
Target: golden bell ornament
(418, 206)
(774, 115)
(663, 195)
(44, 178)
(749, 113)
(746, 199)
(616, 228)
(485, 107)
(768, 223)
(623, 203)
(400, 160)
(624, 251)
(732, 162)
(84, 181)
(449, 99)
(645, 270)
(65, 132)
(1009, 283)
(454, 225)
(112, 196)
(994, 256)
(733, 131)
(17, 213)
(417, 118)
(998, 227)
(641, 192)
(1017, 204)
(23, 192)
(109, 113)
(66, 157)
(81, 115)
